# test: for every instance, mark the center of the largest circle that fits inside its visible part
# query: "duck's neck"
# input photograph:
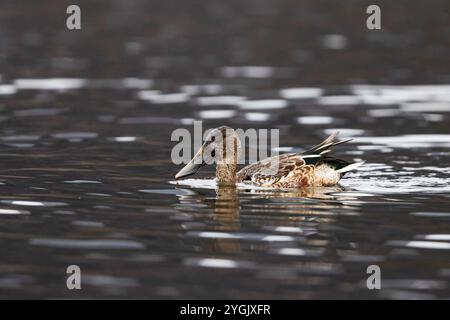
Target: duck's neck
(226, 174)
(228, 154)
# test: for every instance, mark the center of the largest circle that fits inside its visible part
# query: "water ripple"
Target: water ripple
(87, 244)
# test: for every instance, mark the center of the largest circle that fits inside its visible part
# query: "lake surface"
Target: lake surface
(86, 176)
(86, 179)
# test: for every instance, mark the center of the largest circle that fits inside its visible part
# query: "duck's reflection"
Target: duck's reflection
(227, 214)
(319, 193)
(226, 204)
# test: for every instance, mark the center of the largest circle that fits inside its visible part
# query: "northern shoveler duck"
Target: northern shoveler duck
(292, 170)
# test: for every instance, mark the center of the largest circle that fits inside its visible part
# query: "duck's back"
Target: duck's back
(292, 171)
(295, 170)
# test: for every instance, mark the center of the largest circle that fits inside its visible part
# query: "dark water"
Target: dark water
(86, 177)
(85, 181)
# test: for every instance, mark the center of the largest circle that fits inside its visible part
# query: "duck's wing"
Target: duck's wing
(292, 168)
(278, 168)
(326, 145)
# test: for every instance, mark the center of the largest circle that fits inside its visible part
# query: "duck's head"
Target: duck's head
(221, 146)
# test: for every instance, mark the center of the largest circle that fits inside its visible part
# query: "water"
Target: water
(86, 177)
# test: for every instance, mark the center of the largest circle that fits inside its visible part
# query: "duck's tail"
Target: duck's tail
(341, 166)
(350, 167)
(325, 146)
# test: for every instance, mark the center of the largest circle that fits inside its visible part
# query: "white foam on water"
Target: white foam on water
(431, 214)
(50, 84)
(213, 263)
(425, 107)
(445, 170)
(262, 104)
(20, 137)
(219, 100)
(288, 229)
(242, 236)
(435, 237)
(124, 139)
(312, 120)
(216, 114)
(345, 132)
(212, 184)
(33, 203)
(421, 244)
(339, 100)
(257, 116)
(155, 96)
(292, 252)
(187, 121)
(7, 89)
(13, 212)
(385, 95)
(301, 93)
(408, 141)
(367, 181)
(395, 183)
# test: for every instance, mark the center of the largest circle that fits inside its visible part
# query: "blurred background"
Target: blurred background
(306, 42)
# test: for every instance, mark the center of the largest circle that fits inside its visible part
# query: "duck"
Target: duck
(312, 168)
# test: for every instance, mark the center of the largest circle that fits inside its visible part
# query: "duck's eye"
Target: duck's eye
(213, 153)
(213, 138)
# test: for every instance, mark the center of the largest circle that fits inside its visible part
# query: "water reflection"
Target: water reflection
(225, 233)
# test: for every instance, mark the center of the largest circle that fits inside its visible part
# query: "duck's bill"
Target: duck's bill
(192, 166)
(189, 169)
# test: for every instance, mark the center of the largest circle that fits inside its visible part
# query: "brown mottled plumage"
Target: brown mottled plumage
(293, 173)
(294, 170)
